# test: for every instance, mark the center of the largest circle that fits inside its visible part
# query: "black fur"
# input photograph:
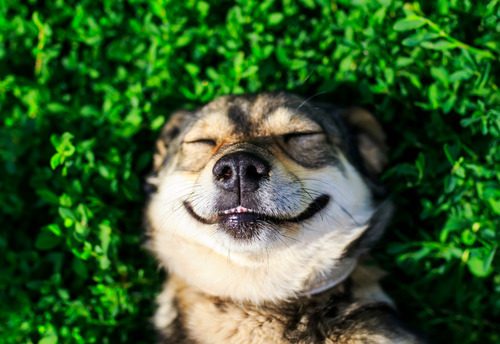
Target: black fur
(239, 119)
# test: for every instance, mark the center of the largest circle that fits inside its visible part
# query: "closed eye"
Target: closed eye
(209, 142)
(289, 136)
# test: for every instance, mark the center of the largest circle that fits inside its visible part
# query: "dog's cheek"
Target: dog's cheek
(171, 191)
(350, 198)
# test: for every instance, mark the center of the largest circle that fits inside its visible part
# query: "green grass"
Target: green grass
(85, 87)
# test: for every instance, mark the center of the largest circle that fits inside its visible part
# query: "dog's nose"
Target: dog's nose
(240, 172)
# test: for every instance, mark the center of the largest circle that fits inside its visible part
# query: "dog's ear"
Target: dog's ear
(369, 137)
(169, 132)
(367, 134)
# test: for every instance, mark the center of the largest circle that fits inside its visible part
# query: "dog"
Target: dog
(263, 209)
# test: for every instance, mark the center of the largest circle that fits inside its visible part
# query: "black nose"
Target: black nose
(240, 172)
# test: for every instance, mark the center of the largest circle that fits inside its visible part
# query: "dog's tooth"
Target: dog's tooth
(241, 209)
(238, 210)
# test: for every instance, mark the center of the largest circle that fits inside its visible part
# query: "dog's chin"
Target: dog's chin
(247, 225)
(243, 226)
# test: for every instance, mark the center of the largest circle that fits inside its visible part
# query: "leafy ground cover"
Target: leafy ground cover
(86, 85)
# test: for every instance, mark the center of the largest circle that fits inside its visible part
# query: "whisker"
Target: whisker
(309, 98)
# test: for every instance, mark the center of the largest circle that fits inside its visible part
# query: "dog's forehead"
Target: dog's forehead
(259, 115)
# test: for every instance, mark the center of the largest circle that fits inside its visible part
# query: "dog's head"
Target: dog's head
(256, 196)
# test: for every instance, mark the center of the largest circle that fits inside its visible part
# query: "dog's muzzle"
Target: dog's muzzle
(238, 176)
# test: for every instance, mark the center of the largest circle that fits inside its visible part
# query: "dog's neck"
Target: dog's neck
(325, 281)
(184, 307)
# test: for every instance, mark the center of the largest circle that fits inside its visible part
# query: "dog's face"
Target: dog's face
(257, 195)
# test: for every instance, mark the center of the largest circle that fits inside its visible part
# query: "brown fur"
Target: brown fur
(330, 317)
(288, 277)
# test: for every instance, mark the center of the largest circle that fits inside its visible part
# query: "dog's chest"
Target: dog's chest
(219, 323)
(190, 316)
(211, 320)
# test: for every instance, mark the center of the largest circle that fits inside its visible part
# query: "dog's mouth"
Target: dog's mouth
(242, 222)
